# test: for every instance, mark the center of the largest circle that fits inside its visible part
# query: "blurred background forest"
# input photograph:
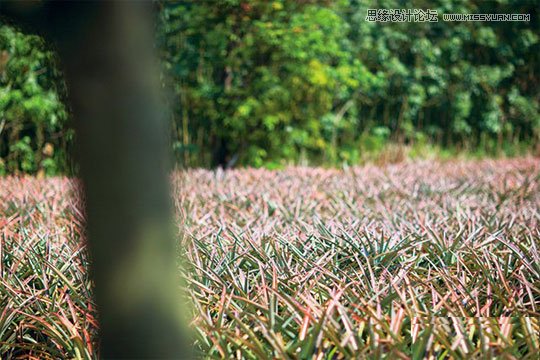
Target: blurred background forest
(271, 83)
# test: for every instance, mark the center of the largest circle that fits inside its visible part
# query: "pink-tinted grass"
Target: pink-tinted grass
(405, 261)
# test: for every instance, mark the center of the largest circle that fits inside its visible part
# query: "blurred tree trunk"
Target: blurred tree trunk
(106, 50)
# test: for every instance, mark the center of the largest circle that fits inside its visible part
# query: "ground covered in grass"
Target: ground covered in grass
(417, 260)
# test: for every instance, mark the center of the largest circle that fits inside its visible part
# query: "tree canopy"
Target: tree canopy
(267, 83)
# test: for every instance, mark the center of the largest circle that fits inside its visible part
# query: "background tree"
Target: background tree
(35, 136)
(283, 81)
(270, 83)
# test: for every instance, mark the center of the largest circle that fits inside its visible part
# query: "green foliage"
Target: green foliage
(258, 79)
(34, 134)
(269, 83)
(456, 82)
(278, 82)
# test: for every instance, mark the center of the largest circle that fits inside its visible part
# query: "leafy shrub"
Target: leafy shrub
(269, 83)
(289, 81)
(34, 133)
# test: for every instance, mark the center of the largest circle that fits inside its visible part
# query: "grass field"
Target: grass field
(424, 260)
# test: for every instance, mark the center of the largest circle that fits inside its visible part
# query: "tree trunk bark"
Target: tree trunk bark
(107, 53)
